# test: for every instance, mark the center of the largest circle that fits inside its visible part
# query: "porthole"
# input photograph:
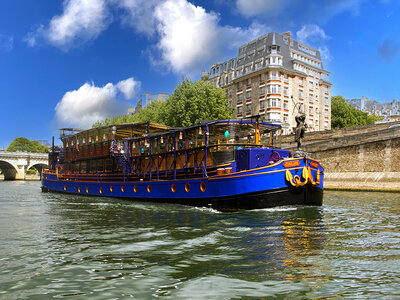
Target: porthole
(187, 187)
(123, 188)
(173, 187)
(65, 188)
(101, 190)
(111, 188)
(87, 190)
(203, 187)
(79, 189)
(149, 188)
(135, 188)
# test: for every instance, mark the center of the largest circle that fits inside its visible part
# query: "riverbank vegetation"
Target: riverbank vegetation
(23, 144)
(190, 103)
(345, 115)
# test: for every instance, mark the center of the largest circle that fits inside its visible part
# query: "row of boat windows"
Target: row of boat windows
(135, 189)
(229, 133)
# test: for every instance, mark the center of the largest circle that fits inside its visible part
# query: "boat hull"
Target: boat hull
(265, 187)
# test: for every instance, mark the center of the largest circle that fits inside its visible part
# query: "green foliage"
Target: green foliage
(193, 102)
(23, 144)
(190, 103)
(345, 115)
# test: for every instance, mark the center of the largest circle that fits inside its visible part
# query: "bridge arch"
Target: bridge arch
(9, 170)
(39, 166)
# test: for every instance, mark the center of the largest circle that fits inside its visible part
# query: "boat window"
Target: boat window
(83, 167)
(162, 144)
(108, 166)
(190, 139)
(171, 143)
(181, 143)
(200, 137)
(100, 165)
(154, 145)
(93, 166)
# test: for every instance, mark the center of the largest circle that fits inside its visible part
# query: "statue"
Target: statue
(300, 129)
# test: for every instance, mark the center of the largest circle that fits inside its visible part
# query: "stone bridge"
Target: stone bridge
(15, 164)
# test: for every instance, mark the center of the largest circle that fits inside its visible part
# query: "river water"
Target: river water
(56, 246)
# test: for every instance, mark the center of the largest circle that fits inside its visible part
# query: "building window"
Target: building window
(326, 89)
(300, 81)
(248, 95)
(230, 104)
(240, 110)
(285, 77)
(285, 118)
(262, 91)
(262, 78)
(240, 85)
(249, 82)
(273, 89)
(286, 105)
(274, 75)
(310, 98)
(248, 108)
(274, 103)
(326, 100)
(230, 92)
(262, 104)
(310, 111)
(300, 94)
(286, 91)
(240, 97)
(310, 85)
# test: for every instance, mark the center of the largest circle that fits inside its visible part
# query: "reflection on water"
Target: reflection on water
(61, 245)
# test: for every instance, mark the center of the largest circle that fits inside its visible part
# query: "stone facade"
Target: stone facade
(364, 157)
(277, 77)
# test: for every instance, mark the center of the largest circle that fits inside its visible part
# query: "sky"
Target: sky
(71, 63)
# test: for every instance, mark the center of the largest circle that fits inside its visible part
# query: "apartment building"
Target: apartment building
(277, 77)
(388, 110)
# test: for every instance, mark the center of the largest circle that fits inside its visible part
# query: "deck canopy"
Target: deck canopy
(71, 137)
(213, 134)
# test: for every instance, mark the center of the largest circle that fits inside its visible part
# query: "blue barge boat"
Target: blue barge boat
(225, 165)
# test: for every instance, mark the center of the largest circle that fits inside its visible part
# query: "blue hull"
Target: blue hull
(269, 186)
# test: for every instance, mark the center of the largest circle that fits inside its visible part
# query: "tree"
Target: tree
(190, 103)
(193, 102)
(345, 115)
(23, 144)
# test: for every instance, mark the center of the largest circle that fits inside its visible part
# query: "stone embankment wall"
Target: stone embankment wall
(364, 157)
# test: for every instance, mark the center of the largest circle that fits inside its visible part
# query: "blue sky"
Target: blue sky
(69, 63)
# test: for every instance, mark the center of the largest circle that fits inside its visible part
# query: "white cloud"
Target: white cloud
(138, 15)
(89, 104)
(6, 42)
(81, 20)
(187, 37)
(191, 38)
(295, 12)
(325, 53)
(311, 32)
(251, 8)
(128, 87)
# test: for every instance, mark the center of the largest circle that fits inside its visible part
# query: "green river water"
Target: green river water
(77, 247)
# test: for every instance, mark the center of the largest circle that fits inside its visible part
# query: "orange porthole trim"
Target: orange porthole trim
(135, 188)
(149, 188)
(203, 187)
(79, 189)
(101, 190)
(87, 190)
(111, 188)
(123, 188)
(187, 187)
(173, 187)
(65, 187)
